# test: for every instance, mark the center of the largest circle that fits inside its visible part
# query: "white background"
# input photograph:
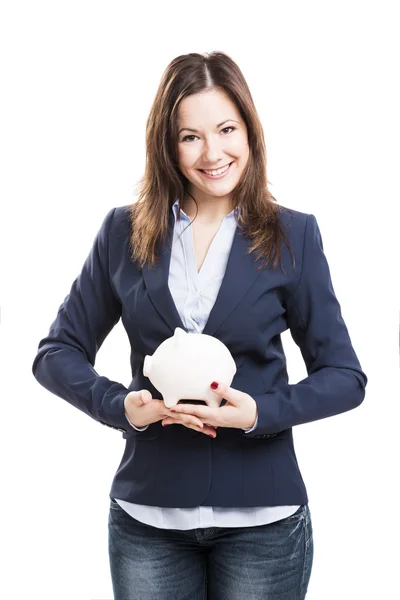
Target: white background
(78, 80)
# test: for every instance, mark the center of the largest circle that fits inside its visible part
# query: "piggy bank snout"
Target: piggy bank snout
(147, 366)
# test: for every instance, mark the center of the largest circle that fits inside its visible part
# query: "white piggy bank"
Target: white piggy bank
(185, 365)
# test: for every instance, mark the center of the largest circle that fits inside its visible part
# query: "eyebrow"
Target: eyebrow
(196, 131)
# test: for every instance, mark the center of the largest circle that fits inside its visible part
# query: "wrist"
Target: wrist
(128, 407)
(254, 415)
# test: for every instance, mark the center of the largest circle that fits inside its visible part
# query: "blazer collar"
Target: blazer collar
(240, 274)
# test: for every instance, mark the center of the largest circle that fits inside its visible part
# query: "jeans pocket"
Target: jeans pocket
(299, 514)
(114, 504)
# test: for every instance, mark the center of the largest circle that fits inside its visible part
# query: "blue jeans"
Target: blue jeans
(271, 562)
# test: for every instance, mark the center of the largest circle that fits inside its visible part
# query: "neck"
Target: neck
(209, 211)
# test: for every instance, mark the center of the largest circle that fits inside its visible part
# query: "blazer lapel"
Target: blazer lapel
(156, 281)
(240, 274)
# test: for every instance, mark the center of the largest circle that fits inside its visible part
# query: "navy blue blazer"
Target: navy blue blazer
(176, 466)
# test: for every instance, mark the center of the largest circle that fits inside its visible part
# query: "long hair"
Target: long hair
(163, 183)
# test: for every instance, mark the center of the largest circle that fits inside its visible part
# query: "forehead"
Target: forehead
(207, 108)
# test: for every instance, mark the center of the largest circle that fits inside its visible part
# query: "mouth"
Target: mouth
(219, 176)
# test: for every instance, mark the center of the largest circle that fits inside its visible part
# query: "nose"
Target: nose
(212, 152)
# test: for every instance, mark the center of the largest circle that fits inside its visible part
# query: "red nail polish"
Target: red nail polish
(214, 385)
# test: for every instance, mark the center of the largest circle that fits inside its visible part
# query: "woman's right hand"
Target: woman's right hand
(141, 410)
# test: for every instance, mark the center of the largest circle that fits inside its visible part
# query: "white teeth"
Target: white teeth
(217, 171)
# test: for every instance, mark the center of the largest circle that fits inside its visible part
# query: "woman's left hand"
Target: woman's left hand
(240, 410)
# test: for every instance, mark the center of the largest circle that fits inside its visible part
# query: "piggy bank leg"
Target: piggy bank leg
(170, 401)
(212, 400)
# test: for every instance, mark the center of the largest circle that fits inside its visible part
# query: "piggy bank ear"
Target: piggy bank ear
(147, 366)
(179, 335)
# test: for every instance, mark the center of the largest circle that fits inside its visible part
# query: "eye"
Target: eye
(184, 139)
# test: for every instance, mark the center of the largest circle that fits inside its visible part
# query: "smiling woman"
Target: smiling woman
(201, 123)
(213, 502)
(219, 153)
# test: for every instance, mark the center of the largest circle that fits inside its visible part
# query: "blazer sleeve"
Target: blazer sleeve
(65, 359)
(335, 382)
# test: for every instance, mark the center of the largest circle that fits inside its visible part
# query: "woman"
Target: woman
(207, 502)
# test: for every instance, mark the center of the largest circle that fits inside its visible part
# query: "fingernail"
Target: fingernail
(214, 385)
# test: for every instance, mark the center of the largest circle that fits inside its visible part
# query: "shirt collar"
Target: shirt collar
(175, 208)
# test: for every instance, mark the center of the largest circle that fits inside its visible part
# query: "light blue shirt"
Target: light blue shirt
(194, 294)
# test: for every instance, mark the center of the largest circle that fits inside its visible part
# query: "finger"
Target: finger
(203, 412)
(233, 396)
(186, 420)
(206, 430)
(138, 398)
(209, 431)
(145, 396)
(190, 425)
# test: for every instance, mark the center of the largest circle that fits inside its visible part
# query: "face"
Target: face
(211, 135)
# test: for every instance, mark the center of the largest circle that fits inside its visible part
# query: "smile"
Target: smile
(217, 173)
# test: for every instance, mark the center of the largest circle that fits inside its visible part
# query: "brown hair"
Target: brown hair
(163, 183)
